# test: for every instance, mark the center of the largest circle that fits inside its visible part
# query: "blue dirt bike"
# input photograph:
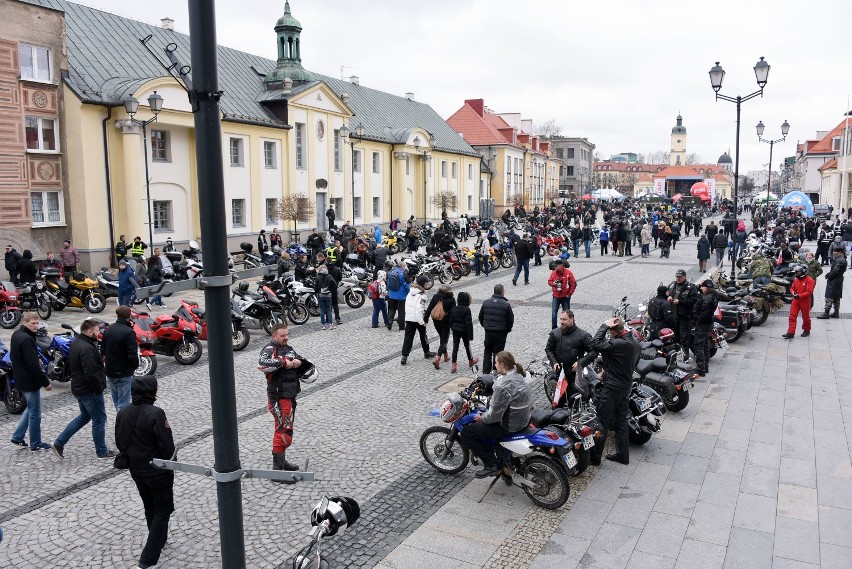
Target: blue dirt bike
(537, 460)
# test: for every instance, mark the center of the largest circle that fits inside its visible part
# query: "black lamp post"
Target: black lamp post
(426, 157)
(717, 74)
(131, 105)
(785, 128)
(349, 137)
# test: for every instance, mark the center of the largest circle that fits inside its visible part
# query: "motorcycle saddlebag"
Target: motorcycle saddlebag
(661, 383)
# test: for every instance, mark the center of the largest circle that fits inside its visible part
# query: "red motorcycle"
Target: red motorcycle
(10, 312)
(167, 336)
(459, 264)
(553, 244)
(190, 310)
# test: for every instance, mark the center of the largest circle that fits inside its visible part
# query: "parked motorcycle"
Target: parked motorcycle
(168, 336)
(261, 309)
(296, 312)
(537, 460)
(34, 296)
(79, 292)
(190, 310)
(10, 312)
(12, 397)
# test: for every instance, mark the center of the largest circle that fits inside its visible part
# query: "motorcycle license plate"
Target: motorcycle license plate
(588, 442)
(723, 344)
(570, 460)
(644, 405)
(686, 386)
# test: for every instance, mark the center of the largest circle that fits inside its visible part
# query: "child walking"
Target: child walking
(461, 323)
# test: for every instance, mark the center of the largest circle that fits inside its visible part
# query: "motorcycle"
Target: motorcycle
(296, 312)
(191, 311)
(34, 296)
(79, 292)
(261, 309)
(577, 423)
(253, 260)
(672, 384)
(168, 336)
(10, 312)
(349, 291)
(537, 460)
(12, 397)
(56, 352)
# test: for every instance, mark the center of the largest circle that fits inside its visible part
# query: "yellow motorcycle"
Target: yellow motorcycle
(80, 292)
(394, 243)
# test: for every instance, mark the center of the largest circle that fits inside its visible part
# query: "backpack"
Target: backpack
(373, 290)
(394, 280)
(438, 313)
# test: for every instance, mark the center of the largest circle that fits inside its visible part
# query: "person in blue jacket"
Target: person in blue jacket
(126, 284)
(396, 298)
(377, 235)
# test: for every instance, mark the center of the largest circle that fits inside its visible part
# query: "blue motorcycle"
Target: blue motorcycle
(11, 395)
(537, 460)
(54, 353)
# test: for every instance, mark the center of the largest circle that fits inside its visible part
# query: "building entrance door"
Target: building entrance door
(322, 220)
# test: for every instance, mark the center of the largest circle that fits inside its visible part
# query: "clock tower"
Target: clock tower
(677, 155)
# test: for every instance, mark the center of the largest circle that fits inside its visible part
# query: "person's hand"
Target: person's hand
(478, 418)
(48, 387)
(669, 299)
(574, 367)
(610, 322)
(556, 367)
(296, 363)
(676, 301)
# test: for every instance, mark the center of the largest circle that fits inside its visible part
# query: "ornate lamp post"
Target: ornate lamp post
(131, 105)
(785, 128)
(349, 137)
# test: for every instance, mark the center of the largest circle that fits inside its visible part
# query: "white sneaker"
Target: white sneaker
(148, 306)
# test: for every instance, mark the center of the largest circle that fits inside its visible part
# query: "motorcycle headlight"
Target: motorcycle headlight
(39, 285)
(198, 329)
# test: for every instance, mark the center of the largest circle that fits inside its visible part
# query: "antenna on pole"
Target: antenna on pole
(343, 69)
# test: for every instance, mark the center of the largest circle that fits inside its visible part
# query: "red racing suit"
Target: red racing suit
(803, 296)
(282, 386)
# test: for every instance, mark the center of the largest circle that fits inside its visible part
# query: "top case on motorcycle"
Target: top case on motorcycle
(352, 259)
(485, 384)
(50, 272)
(646, 366)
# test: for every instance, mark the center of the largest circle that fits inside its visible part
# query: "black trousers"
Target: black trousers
(684, 334)
(396, 307)
(612, 409)
(481, 438)
(157, 493)
(701, 346)
(335, 306)
(412, 328)
(495, 342)
(459, 337)
(443, 329)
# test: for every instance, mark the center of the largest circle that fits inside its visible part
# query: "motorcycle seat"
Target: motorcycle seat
(43, 342)
(61, 284)
(528, 431)
(109, 277)
(644, 367)
(541, 417)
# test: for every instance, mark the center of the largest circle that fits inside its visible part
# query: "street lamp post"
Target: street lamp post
(426, 157)
(131, 105)
(785, 128)
(349, 137)
(717, 74)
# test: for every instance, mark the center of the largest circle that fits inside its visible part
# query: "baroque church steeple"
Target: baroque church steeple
(288, 31)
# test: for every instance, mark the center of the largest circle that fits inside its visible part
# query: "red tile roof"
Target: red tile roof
(826, 145)
(479, 128)
(828, 165)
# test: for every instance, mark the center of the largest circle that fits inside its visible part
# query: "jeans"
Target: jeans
(495, 342)
(30, 419)
(158, 300)
(119, 388)
(576, 246)
(646, 249)
(481, 263)
(588, 246)
(720, 256)
(555, 304)
(92, 409)
(157, 493)
(125, 299)
(380, 307)
(525, 265)
(762, 280)
(325, 310)
(335, 307)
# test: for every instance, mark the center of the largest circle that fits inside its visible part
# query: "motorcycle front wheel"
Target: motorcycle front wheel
(507, 261)
(446, 458)
(14, 401)
(457, 273)
(43, 308)
(187, 353)
(10, 319)
(241, 338)
(466, 268)
(550, 488)
(249, 264)
(298, 313)
(760, 316)
(445, 277)
(272, 320)
(147, 366)
(95, 303)
(355, 298)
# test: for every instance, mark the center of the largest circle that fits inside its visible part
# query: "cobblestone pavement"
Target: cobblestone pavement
(359, 425)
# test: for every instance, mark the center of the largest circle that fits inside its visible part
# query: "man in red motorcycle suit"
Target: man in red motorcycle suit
(803, 296)
(280, 363)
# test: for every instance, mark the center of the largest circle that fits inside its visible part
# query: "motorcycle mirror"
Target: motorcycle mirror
(193, 244)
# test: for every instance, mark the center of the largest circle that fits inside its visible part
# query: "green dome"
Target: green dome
(679, 128)
(287, 20)
(289, 70)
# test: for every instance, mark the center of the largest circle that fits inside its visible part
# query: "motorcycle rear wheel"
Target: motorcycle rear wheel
(680, 404)
(313, 305)
(466, 270)
(584, 458)
(187, 353)
(494, 264)
(432, 445)
(640, 437)
(736, 335)
(550, 488)
(760, 316)
(10, 319)
(430, 280)
(14, 401)
(95, 303)
(457, 273)
(57, 305)
(147, 366)
(241, 338)
(298, 313)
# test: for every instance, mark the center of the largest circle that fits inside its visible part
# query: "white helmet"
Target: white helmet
(309, 372)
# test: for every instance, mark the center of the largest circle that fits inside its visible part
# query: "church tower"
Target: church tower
(288, 30)
(677, 155)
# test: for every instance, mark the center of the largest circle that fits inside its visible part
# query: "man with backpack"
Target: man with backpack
(660, 312)
(398, 288)
(377, 292)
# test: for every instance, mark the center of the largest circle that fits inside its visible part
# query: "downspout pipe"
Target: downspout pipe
(108, 175)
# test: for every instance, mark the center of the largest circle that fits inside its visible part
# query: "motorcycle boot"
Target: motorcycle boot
(280, 463)
(836, 313)
(487, 471)
(823, 316)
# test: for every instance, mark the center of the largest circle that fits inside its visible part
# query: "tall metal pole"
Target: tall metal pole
(211, 202)
(768, 188)
(148, 186)
(424, 187)
(352, 146)
(737, 163)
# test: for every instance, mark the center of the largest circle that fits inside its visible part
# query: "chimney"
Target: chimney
(477, 105)
(409, 96)
(167, 24)
(345, 98)
(354, 80)
(288, 85)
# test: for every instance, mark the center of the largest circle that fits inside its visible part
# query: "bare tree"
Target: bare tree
(693, 158)
(548, 129)
(295, 208)
(445, 199)
(658, 157)
(516, 199)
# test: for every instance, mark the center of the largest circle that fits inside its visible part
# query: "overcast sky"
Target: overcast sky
(614, 72)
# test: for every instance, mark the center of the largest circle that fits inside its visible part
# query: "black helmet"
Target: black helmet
(801, 271)
(242, 287)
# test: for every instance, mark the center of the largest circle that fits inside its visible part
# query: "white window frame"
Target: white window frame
(169, 225)
(377, 163)
(454, 170)
(377, 208)
(236, 152)
(44, 211)
(270, 154)
(470, 171)
(301, 149)
(356, 161)
(40, 128)
(356, 207)
(338, 162)
(274, 204)
(166, 146)
(36, 69)
(241, 202)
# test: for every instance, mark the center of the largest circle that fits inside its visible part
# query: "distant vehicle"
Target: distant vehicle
(822, 210)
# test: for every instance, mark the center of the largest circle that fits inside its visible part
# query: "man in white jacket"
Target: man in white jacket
(415, 320)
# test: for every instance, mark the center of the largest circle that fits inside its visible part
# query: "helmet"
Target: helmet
(242, 287)
(309, 372)
(452, 408)
(801, 271)
(666, 335)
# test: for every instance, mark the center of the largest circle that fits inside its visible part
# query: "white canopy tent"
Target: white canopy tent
(607, 194)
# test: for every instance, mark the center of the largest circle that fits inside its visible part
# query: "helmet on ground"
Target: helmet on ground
(452, 408)
(666, 335)
(243, 286)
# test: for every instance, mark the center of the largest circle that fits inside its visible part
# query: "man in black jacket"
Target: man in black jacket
(121, 353)
(29, 378)
(569, 348)
(523, 253)
(683, 295)
(704, 311)
(315, 243)
(142, 433)
(620, 353)
(660, 312)
(280, 363)
(12, 257)
(88, 381)
(27, 269)
(497, 318)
